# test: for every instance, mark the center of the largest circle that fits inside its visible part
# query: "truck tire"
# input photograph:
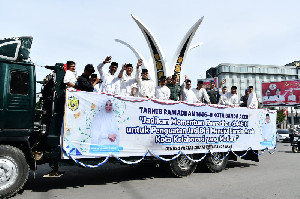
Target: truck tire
(295, 149)
(182, 166)
(216, 162)
(14, 170)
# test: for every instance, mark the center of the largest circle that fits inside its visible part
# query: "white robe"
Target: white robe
(162, 93)
(111, 83)
(201, 94)
(145, 87)
(127, 83)
(103, 125)
(252, 100)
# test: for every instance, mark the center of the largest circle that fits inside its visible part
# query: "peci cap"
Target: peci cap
(89, 67)
(163, 77)
(233, 87)
(200, 82)
(128, 65)
(144, 70)
(224, 87)
(114, 64)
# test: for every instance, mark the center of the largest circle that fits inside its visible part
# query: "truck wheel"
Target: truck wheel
(215, 162)
(14, 170)
(295, 149)
(182, 166)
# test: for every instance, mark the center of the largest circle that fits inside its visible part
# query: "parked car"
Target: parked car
(282, 135)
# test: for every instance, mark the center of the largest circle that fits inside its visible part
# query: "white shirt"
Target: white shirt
(201, 94)
(70, 77)
(188, 95)
(279, 98)
(111, 83)
(162, 93)
(145, 87)
(268, 98)
(127, 83)
(252, 100)
(229, 99)
(292, 98)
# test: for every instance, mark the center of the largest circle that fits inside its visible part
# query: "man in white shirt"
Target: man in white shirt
(230, 98)
(111, 82)
(278, 97)
(291, 96)
(70, 77)
(146, 87)
(201, 93)
(268, 96)
(162, 92)
(187, 93)
(252, 99)
(128, 82)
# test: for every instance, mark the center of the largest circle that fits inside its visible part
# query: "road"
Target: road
(275, 176)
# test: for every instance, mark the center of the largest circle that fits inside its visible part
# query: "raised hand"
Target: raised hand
(140, 62)
(107, 60)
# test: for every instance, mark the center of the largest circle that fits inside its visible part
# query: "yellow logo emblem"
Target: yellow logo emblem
(73, 103)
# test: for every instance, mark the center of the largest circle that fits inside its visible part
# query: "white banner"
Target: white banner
(98, 125)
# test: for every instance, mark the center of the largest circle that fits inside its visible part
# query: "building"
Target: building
(244, 75)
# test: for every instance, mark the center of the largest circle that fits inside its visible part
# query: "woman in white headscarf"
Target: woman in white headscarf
(104, 129)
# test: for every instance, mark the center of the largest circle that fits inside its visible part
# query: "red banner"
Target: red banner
(281, 93)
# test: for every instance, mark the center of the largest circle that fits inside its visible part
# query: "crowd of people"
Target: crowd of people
(126, 84)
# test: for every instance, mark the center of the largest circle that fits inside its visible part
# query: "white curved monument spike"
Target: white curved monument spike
(160, 67)
(182, 49)
(156, 51)
(147, 65)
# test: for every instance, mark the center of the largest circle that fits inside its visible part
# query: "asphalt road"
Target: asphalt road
(275, 176)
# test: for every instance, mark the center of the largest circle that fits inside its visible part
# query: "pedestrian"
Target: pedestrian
(213, 93)
(252, 101)
(128, 81)
(201, 93)
(84, 82)
(70, 76)
(174, 89)
(111, 82)
(244, 98)
(230, 98)
(187, 93)
(162, 92)
(146, 87)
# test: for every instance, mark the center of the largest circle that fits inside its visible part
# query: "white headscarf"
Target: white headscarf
(104, 125)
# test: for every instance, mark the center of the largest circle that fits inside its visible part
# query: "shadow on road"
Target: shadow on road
(79, 177)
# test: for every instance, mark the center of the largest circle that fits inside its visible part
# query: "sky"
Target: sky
(263, 32)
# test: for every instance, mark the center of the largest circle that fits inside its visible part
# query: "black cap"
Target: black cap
(224, 87)
(200, 82)
(188, 81)
(114, 64)
(163, 77)
(89, 67)
(144, 70)
(278, 89)
(128, 65)
(250, 87)
(233, 87)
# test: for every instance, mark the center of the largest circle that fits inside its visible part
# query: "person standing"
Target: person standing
(213, 93)
(244, 98)
(201, 93)
(230, 98)
(84, 82)
(162, 92)
(128, 82)
(174, 89)
(111, 82)
(252, 100)
(70, 77)
(146, 87)
(187, 93)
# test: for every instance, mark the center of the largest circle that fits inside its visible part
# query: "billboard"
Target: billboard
(284, 93)
(100, 125)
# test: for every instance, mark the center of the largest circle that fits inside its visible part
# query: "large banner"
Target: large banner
(281, 93)
(98, 125)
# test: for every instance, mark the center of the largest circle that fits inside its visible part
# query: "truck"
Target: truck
(31, 133)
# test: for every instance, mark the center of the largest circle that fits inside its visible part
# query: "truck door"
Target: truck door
(19, 99)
